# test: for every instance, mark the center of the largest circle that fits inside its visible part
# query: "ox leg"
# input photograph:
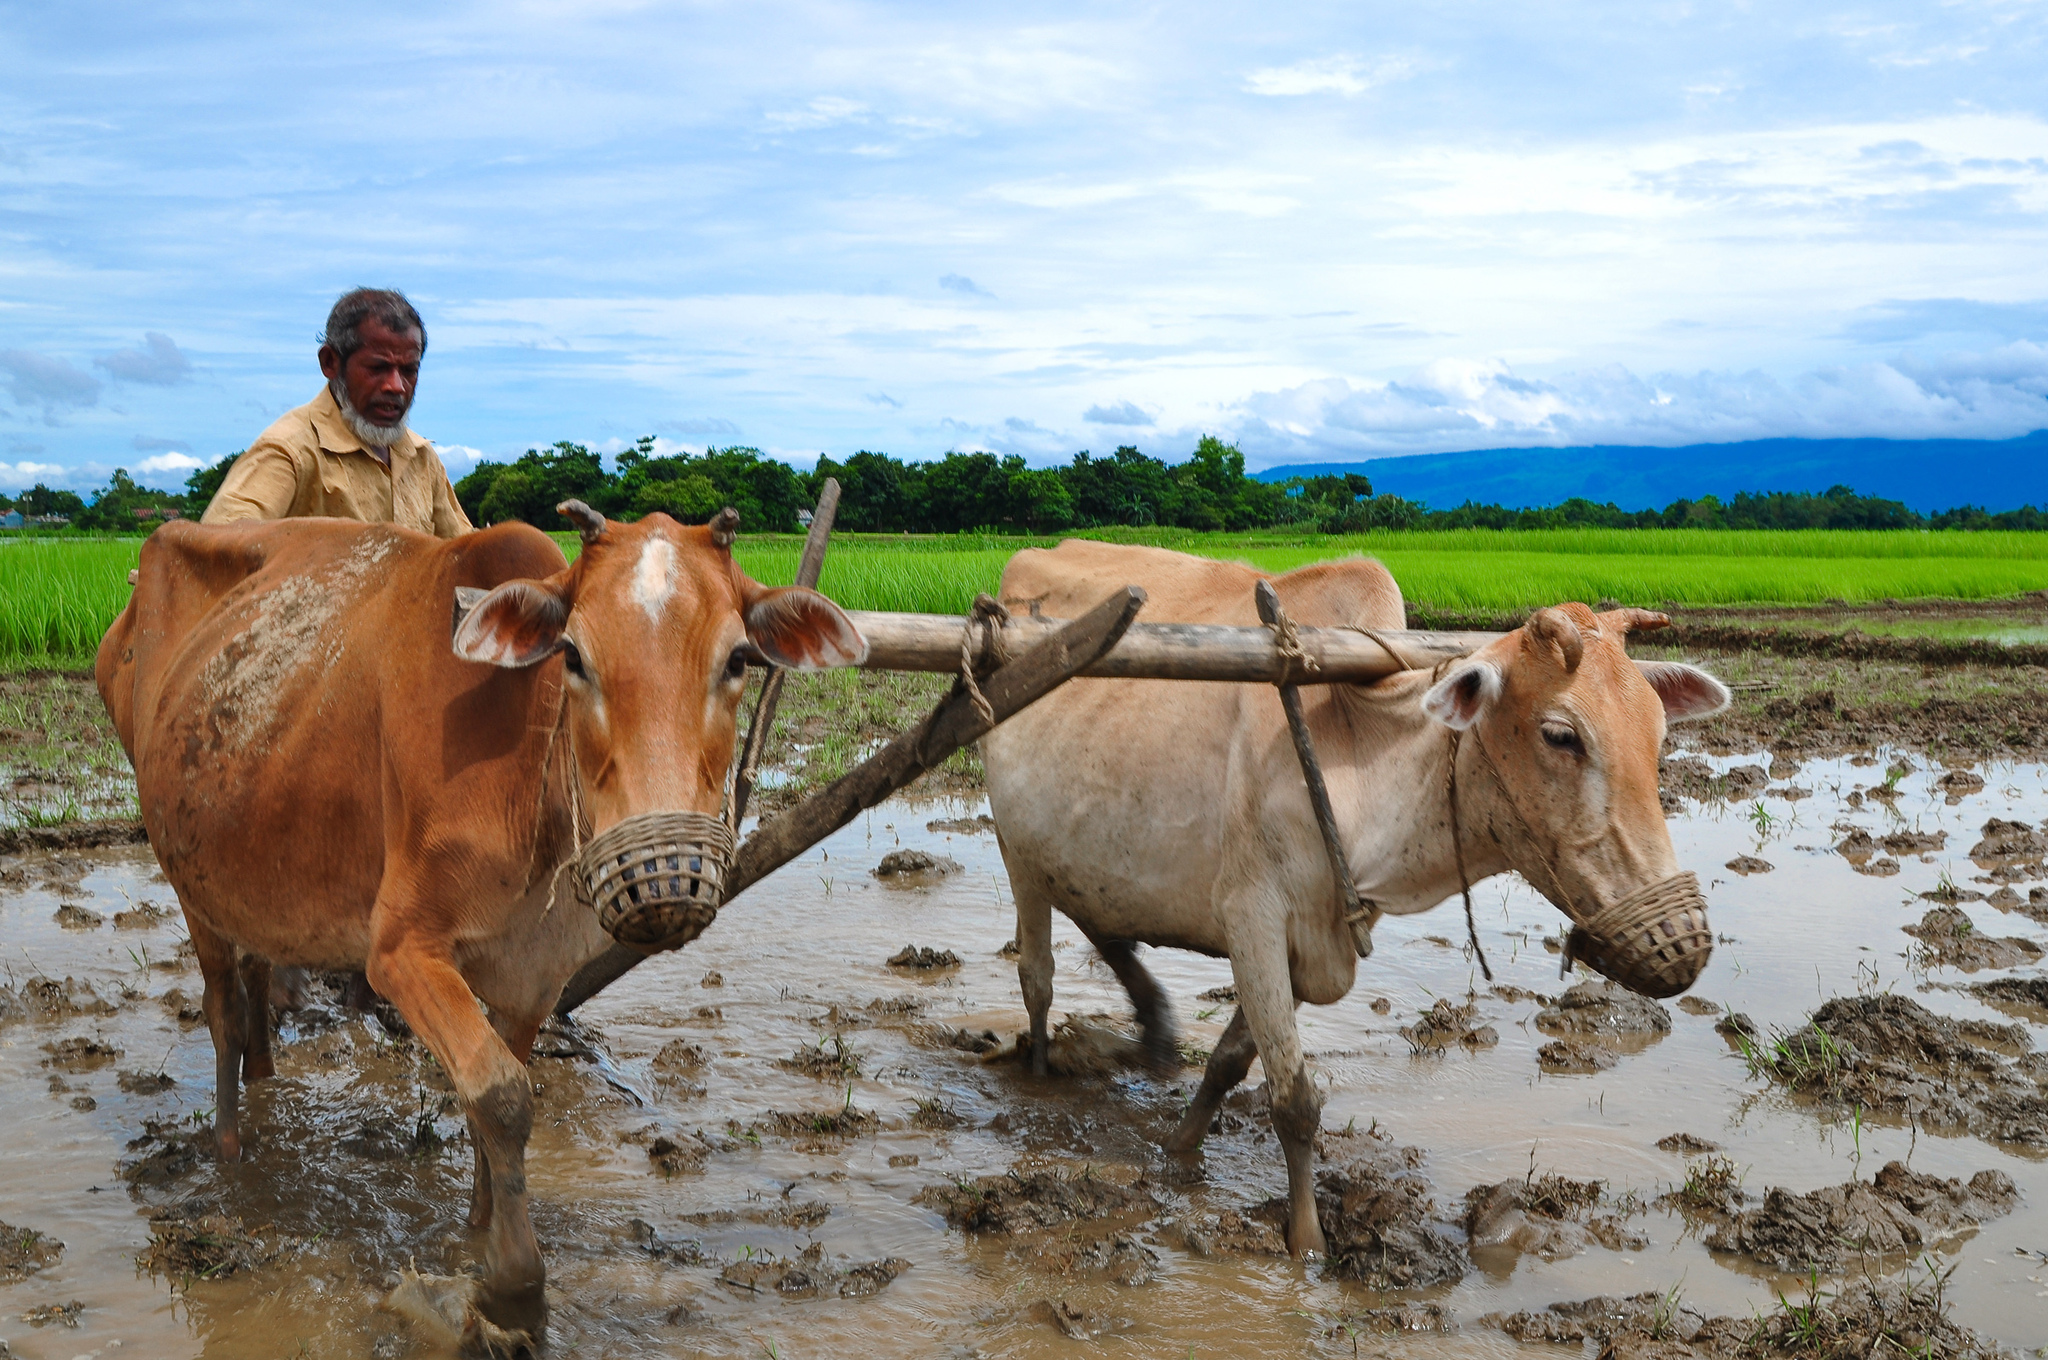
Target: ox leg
(1034, 966)
(1227, 1066)
(518, 1035)
(225, 1016)
(1148, 999)
(497, 1096)
(257, 1064)
(1266, 1001)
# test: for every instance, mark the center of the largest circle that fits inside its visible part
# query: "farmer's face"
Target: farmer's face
(381, 376)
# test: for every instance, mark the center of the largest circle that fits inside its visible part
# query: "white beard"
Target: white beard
(379, 437)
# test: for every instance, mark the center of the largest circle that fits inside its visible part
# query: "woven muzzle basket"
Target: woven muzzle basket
(657, 879)
(1654, 942)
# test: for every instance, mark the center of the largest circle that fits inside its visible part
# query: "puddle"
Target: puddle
(761, 1145)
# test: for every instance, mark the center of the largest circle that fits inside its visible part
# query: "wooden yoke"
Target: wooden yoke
(1068, 651)
(1175, 651)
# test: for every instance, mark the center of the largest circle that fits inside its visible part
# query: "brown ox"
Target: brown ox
(1170, 813)
(328, 782)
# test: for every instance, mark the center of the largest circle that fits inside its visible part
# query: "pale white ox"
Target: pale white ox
(1175, 813)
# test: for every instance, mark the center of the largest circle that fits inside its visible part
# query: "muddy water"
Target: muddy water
(347, 1182)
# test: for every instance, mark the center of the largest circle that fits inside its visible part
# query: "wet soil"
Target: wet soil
(736, 1146)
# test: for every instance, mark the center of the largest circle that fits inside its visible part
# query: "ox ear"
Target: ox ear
(515, 625)
(1460, 698)
(1687, 692)
(802, 630)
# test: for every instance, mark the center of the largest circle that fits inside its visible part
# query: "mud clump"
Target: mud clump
(24, 1251)
(188, 1243)
(71, 916)
(164, 1153)
(1712, 1188)
(1574, 1057)
(914, 868)
(2026, 993)
(922, 959)
(1604, 1010)
(79, 1055)
(670, 1158)
(1694, 1005)
(1382, 1224)
(1749, 864)
(845, 1122)
(1446, 1023)
(931, 1035)
(2006, 844)
(1547, 1216)
(982, 825)
(1259, 1231)
(829, 1059)
(146, 1083)
(1687, 1144)
(1896, 1213)
(1017, 1203)
(1952, 940)
(680, 1055)
(1864, 853)
(1601, 1318)
(141, 916)
(65, 1314)
(811, 1275)
(1082, 1046)
(42, 998)
(1893, 1057)
(1914, 842)
(681, 1251)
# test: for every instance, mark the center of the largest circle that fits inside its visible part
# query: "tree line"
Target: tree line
(986, 492)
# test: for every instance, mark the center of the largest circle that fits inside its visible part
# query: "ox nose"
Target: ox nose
(1655, 941)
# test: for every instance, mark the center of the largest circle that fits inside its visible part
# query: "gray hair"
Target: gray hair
(387, 306)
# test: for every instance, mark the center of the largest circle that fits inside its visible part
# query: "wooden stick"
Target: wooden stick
(953, 724)
(1174, 651)
(807, 569)
(1356, 914)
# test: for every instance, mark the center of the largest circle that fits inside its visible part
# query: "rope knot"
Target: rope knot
(1287, 642)
(988, 616)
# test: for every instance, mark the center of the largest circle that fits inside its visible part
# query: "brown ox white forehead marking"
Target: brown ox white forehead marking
(654, 578)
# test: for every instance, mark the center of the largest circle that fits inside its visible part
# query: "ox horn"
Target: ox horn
(1556, 627)
(725, 527)
(1638, 620)
(588, 522)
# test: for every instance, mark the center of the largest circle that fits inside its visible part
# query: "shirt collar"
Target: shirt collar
(335, 436)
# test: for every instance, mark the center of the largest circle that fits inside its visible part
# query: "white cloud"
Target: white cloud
(1455, 403)
(16, 476)
(1117, 413)
(824, 111)
(169, 462)
(157, 361)
(1339, 74)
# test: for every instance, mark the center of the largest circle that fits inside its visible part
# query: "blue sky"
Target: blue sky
(1325, 231)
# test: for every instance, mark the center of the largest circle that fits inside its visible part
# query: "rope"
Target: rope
(1458, 853)
(1287, 642)
(575, 782)
(1392, 652)
(989, 613)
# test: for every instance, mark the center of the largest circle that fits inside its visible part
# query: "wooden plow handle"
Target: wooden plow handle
(1175, 651)
(1057, 654)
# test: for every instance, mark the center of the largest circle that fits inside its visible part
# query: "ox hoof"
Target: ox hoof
(1162, 1054)
(455, 1313)
(1185, 1141)
(1307, 1243)
(228, 1145)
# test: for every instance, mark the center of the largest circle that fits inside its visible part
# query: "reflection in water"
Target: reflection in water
(776, 1103)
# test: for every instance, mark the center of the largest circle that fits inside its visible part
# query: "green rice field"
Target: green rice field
(57, 595)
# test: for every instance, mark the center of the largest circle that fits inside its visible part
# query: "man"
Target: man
(347, 453)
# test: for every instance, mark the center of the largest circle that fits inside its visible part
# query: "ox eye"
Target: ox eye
(1562, 737)
(736, 664)
(572, 660)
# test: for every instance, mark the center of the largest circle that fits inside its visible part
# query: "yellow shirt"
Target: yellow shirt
(311, 463)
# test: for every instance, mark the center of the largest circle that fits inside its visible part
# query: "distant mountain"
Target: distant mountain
(1927, 474)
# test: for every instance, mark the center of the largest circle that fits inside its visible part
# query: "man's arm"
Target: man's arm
(262, 484)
